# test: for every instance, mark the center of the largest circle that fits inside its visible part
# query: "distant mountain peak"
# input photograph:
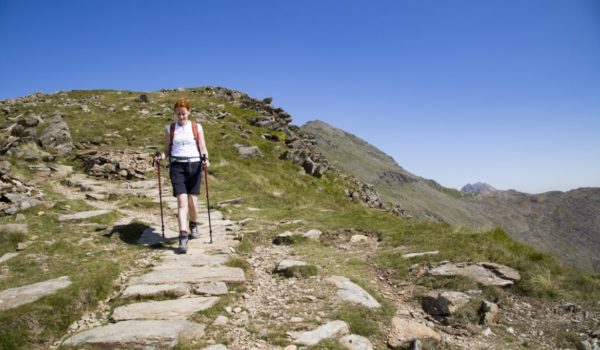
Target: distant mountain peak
(478, 187)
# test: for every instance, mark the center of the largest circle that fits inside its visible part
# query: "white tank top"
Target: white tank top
(184, 144)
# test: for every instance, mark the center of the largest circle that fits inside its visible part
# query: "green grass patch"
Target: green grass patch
(136, 202)
(327, 344)
(239, 262)
(38, 323)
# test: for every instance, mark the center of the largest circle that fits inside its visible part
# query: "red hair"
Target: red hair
(182, 102)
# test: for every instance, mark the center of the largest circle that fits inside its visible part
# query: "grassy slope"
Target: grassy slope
(282, 193)
(562, 224)
(421, 197)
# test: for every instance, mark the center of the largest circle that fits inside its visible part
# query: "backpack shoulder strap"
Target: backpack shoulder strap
(196, 136)
(172, 135)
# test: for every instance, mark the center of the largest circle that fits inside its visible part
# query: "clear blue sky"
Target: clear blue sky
(501, 91)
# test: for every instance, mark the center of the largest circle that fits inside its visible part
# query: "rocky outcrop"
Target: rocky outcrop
(300, 147)
(30, 131)
(16, 194)
(56, 137)
(301, 151)
(117, 164)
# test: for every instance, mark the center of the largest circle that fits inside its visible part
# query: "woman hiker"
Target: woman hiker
(186, 147)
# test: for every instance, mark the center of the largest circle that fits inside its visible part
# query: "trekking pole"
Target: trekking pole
(207, 200)
(162, 222)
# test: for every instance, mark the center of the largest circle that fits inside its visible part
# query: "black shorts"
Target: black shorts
(186, 177)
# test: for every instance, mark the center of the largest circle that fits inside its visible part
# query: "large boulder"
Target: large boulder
(252, 152)
(56, 137)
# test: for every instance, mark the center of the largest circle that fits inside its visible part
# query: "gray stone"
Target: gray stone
(358, 238)
(404, 331)
(23, 245)
(56, 137)
(83, 215)
(194, 260)
(414, 255)
(7, 257)
(13, 297)
(194, 275)
(215, 347)
(489, 312)
(503, 271)
(220, 321)
(477, 272)
(284, 238)
(445, 303)
(59, 170)
(313, 234)
(352, 292)
(288, 263)
(210, 288)
(178, 309)
(152, 334)
(487, 332)
(252, 152)
(152, 290)
(333, 329)
(356, 342)
(14, 228)
(5, 166)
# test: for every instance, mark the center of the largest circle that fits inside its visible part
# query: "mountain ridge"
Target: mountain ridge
(529, 218)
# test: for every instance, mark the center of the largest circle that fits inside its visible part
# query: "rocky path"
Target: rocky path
(176, 287)
(200, 301)
(160, 308)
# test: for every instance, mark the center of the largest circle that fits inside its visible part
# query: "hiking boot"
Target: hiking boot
(183, 242)
(194, 230)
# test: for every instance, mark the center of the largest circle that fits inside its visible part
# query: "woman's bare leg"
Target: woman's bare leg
(182, 211)
(193, 207)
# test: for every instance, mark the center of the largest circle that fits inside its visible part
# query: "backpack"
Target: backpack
(196, 136)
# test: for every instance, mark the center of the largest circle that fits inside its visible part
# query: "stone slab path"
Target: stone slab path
(190, 282)
(13, 297)
(186, 284)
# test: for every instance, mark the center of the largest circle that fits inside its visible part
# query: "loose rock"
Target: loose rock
(352, 292)
(329, 330)
(356, 342)
(404, 331)
(445, 303)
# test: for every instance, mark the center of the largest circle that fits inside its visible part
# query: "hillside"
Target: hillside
(304, 256)
(563, 224)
